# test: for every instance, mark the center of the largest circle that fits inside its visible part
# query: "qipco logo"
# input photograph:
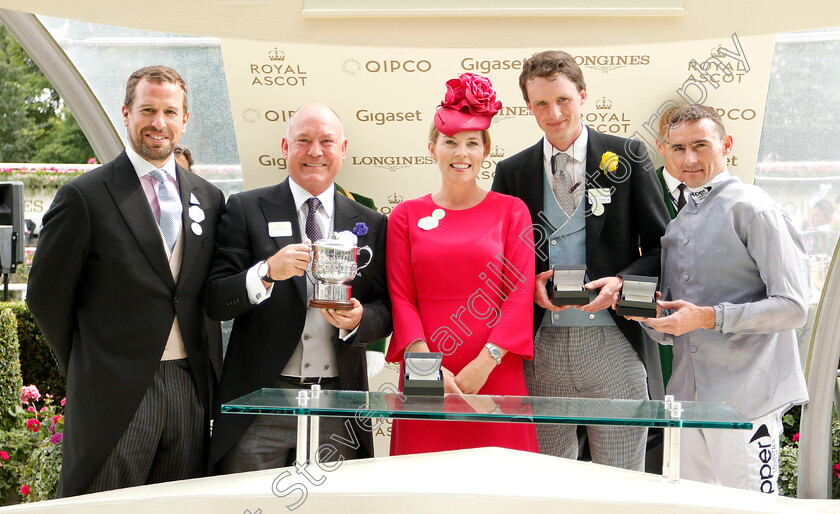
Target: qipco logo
(397, 66)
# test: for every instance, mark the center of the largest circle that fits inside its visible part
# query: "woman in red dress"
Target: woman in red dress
(461, 279)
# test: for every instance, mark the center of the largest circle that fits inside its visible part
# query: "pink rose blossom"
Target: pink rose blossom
(56, 438)
(24, 490)
(4, 455)
(795, 437)
(33, 425)
(471, 93)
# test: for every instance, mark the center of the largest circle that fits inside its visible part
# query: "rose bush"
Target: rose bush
(30, 447)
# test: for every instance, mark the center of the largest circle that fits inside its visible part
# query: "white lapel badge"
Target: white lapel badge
(279, 228)
(598, 197)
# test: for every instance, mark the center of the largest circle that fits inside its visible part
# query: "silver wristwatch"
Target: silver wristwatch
(263, 272)
(494, 352)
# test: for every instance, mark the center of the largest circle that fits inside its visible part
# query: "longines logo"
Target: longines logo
(252, 115)
(391, 162)
(277, 71)
(506, 113)
(605, 120)
(353, 66)
(486, 66)
(381, 118)
(607, 63)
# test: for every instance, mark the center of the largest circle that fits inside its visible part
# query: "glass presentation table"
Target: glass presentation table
(370, 408)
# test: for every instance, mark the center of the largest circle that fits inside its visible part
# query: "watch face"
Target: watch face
(262, 270)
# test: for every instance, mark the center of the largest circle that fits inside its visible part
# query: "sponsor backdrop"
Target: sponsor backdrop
(386, 98)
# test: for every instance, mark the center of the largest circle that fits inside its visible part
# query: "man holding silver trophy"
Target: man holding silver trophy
(284, 270)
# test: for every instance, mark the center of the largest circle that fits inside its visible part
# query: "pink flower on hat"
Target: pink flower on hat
(471, 93)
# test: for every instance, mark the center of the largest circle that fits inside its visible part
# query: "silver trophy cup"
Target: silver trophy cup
(333, 264)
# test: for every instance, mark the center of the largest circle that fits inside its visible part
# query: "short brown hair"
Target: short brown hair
(693, 112)
(551, 63)
(434, 134)
(183, 150)
(159, 74)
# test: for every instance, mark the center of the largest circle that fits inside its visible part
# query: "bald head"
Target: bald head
(319, 111)
(314, 147)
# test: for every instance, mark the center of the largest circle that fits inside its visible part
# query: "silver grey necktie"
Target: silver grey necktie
(170, 208)
(562, 185)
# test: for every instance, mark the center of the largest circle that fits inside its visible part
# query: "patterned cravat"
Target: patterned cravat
(681, 199)
(562, 183)
(170, 208)
(313, 231)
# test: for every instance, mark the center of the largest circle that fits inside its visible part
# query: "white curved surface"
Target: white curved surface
(487, 480)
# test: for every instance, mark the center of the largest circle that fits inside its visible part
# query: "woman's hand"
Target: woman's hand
(449, 385)
(472, 378)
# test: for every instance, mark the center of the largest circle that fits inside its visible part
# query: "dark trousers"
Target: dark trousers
(165, 439)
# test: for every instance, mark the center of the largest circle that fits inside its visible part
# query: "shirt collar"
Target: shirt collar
(143, 167)
(717, 179)
(670, 182)
(577, 151)
(301, 195)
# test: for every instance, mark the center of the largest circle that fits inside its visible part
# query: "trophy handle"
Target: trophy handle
(370, 257)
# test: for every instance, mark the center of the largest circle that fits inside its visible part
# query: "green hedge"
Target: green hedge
(10, 378)
(37, 365)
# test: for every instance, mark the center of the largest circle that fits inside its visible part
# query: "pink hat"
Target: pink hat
(470, 104)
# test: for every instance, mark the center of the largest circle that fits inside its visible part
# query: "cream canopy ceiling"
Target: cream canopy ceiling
(496, 22)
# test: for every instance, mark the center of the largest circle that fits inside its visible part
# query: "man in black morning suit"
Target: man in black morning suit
(259, 279)
(116, 287)
(593, 200)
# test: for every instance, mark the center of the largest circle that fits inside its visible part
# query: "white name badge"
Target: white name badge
(279, 228)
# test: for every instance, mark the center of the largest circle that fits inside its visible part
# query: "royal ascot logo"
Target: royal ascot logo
(393, 199)
(391, 163)
(607, 63)
(506, 113)
(488, 165)
(487, 66)
(353, 66)
(381, 118)
(606, 120)
(719, 67)
(251, 115)
(276, 71)
(270, 161)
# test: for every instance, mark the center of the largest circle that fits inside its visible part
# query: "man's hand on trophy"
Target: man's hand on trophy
(346, 319)
(290, 261)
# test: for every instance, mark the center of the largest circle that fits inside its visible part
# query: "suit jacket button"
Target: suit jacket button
(177, 300)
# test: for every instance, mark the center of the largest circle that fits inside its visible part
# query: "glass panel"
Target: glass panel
(799, 158)
(517, 409)
(106, 55)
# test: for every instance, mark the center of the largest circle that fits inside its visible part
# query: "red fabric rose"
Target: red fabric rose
(471, 93)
